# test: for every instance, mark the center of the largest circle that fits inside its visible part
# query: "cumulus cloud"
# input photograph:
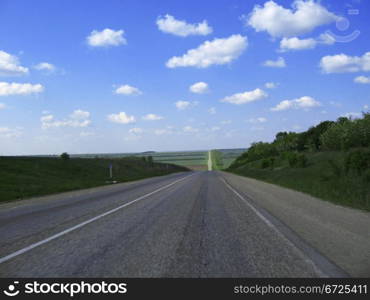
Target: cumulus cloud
(353, 115)
(7, 132)
(9, 89)
(342, 63)
(199, 88)
(304, 102)
(9, 65)
(77, 118)
(45, 66)
(257, 120)
(121, 118)
(294, 43)
(246, 97)
(362, 79)
(215, 52)
(106, 38)
(169, 24)
(278, 21)
(190, 129)
(152, 117)
(127, 90)
(271, 85)
(181, 105)
(2, 106)
(279, 63)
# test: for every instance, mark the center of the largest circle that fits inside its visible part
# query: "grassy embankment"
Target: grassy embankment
(330, 161)
(24, 177)
(323, 177)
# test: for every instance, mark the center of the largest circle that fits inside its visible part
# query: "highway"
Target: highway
(191, 224)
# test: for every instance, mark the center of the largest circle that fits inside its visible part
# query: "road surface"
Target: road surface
(192, 224)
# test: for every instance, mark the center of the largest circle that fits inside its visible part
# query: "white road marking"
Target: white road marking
(272, 226)
(53, 237)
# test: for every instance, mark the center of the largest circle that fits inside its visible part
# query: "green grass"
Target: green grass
(24, 177)
(320, 178)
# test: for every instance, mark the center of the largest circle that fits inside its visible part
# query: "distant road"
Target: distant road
(196, 224)
(209, 160)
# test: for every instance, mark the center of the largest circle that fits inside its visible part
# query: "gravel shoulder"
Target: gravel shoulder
(340, 233)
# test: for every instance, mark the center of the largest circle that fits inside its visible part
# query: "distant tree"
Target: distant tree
(150, 159)
(64, 156)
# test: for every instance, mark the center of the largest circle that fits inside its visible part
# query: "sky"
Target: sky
(129, 76)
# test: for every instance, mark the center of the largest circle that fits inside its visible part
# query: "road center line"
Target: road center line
(273, 227)
(55, 236)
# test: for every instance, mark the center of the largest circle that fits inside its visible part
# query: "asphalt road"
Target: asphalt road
(195, 224)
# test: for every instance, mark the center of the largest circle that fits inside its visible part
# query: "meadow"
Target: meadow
(24, 177)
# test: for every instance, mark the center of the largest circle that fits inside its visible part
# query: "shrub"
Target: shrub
(265, 163)
(292, 159)
(358, 160)
(64, 156)
(301, 161)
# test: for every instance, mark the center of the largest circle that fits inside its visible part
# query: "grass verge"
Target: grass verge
(24, 177)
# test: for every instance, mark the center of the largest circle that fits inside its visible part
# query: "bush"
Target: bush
(292, 159)
(301, 161)
(64, 156)
(358, 161)
(265, 163)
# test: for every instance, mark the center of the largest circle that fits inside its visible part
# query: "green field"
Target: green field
(24, 177)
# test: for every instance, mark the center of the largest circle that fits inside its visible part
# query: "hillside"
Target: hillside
(23, 177)
(330, 161)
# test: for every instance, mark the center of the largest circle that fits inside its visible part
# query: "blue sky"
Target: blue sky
(116, 76)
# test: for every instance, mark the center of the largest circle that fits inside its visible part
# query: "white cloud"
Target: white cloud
(342, 63)
(199, 87)
(8, 89)
(9, 65)
(152, 117)
(44, 66)
(303, 17)
(7, 132)
(215, 52)
(2, 106)
(294, 43)
(226, 122)
(246, 97)
(366, 106)
(77, 118)
(257, 120)
(304, 102)
(181, 105)
(169, 24)
(136, 130)
(121, 118)
(353, 115)
(271, 85)
(190, 129)
(279, 63)
(106, 38)
(86, 133)
(215, 128)
(212, 110)
(80, 115)
(362, 79)
(127, 90)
